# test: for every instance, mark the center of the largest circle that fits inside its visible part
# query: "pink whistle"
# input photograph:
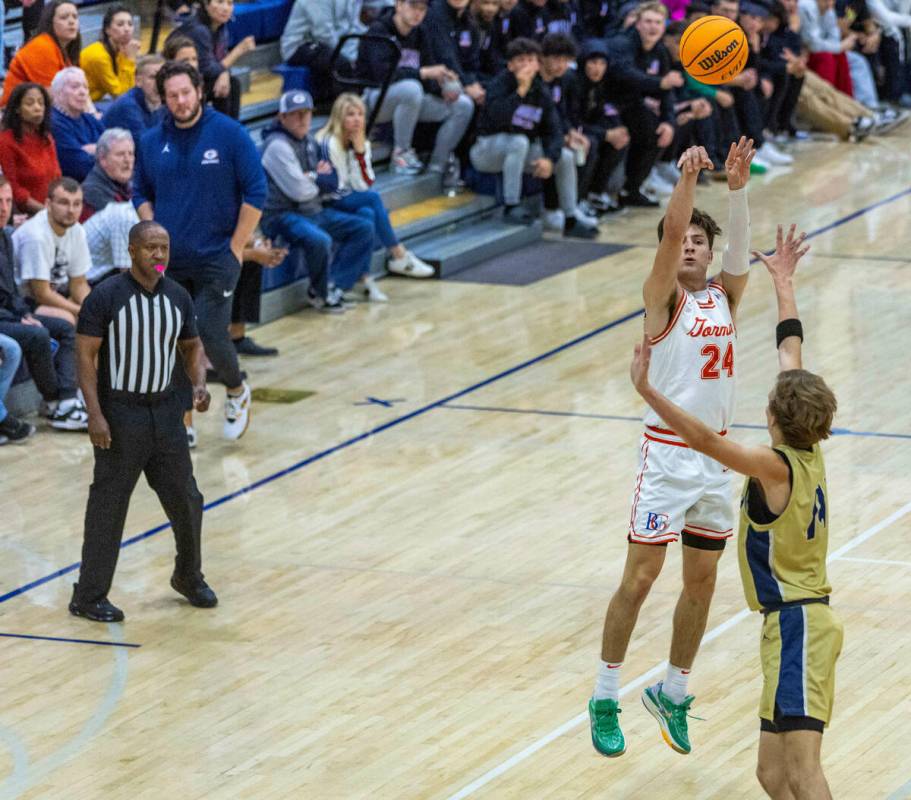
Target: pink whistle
(160, 268)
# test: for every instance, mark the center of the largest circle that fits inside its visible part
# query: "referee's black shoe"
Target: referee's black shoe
(197, 591)
(102, 610)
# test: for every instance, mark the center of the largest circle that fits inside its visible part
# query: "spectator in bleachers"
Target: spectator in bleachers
(196, 161)
(455, 42)
(492, 47)
(565, 18)
(600, 18)
(54, 374)
(786, 65)
(894, 20)
(28, 155)
(107, 208)
(349, 151)
(528, 20)
(56, 46)
(821, 35)
(11, 429)
(301, 182)
(311, 34)
(75, 130)
(180, 48)
(52, 255)
(140, 108)
(208, 28)
(110, 63)
(866, 46)
(421, 90)
(602, 124)
(561, 196)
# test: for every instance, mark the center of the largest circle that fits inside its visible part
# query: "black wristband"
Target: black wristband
(786, 328)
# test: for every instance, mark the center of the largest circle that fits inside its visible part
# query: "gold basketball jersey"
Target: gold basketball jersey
(786, 560)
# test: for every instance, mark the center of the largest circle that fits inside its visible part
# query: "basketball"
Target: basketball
(713, 49)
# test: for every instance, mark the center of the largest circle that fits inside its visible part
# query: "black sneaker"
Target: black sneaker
(102, 610)
(575, 230)
(637, 200)
(245, 346)
(518, 215)
(197, 591)
(69, 415)
(14, 430)
(331, 305)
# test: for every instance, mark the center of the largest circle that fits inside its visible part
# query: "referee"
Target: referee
(130, 328)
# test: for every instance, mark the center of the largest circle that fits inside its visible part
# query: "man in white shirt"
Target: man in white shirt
(52, 254)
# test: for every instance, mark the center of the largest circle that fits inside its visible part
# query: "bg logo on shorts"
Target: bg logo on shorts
(656, 522)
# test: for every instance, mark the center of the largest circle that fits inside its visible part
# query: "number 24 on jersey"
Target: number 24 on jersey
(712, 353)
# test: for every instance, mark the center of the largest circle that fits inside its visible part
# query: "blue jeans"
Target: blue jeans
(10, 356)
(316, 233)
(370, 206)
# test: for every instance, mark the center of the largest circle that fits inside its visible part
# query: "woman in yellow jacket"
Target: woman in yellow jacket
(110, 63)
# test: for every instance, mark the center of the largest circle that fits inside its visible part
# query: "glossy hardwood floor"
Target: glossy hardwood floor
(416, 612)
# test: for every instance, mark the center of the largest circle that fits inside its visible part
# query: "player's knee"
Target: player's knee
(800, 772)
(771, 777)
(638, 584)
(700, 586)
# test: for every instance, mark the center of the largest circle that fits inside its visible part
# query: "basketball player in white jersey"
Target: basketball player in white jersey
(680, 493)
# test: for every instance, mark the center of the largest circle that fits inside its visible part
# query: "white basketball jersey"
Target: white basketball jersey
(693, 359)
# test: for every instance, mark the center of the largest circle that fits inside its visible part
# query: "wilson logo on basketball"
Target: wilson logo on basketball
(712, 59)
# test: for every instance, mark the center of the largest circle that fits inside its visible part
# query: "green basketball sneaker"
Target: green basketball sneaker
(606, 734)
(671, 716)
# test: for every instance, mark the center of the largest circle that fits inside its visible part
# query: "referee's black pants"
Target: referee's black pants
(148, 439)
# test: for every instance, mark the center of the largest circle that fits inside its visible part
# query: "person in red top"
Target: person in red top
(56, 46)
(28, 155)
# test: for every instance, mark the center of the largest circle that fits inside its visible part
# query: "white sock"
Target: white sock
(607, 686)
(675, 683)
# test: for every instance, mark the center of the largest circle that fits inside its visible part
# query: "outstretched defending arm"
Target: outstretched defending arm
(660, 288)
(735, 261)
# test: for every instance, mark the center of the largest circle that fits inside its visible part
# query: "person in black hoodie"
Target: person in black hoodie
(643, 87)
(519, 129)
(455, 41)
(528, 20)
(602, 126)
(421, 90)
(492, 47)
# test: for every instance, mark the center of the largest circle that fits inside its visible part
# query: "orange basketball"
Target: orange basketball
(713, 49)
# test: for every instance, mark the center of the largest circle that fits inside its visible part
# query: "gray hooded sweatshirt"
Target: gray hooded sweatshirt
(325, 22)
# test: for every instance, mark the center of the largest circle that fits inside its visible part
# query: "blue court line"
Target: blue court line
(418, 412)
(614, 417)
(70, 641)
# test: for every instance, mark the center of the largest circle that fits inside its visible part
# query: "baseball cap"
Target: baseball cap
(296, 100)
(754, 9)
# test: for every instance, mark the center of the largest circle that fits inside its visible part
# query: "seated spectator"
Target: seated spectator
(785, 62)
(28, 155)
(562, 210)
(492, 56)
(11, 429)
(140, 108)
(56, 46)
(107, 205)
(821, 35)
(894, 26)
(110, 63)
(564, 18)
(420, 91)
(455, 43)
(311, 34)
(258, 254)
(349, 151)
(602, 125)
(36, 333)
(519, 129)
(180, 48)
(867, 39)
(299, 180)
(52, 255)
(528, 20)
(208, 28)
(75, 131)
(600, 18)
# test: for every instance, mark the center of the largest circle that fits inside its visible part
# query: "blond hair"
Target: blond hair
(651, 5)
(803, 407)
(335, 127)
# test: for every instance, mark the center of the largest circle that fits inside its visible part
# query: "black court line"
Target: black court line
(416, 413)
(617, 418)
(68, 641)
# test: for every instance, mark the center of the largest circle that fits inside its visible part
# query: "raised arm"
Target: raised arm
(660, 288)
(735, 261)
(781, 266)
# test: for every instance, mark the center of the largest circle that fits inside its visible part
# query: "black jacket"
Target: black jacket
(565, 94)
(534, 115)
(12, 307)
(375, 61)
(453, 41)
(600, 18)
(597, 107)
(528, 21)
(635, 75)
(492, 48)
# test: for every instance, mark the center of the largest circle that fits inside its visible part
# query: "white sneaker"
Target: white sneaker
(554, 220)
(237, 414)
(587, 220)
(657, 184)
(410, 266)
(759, 161)
(668, 172)
(68, 415)
(772, 155)
(191, 437)
(373, 291)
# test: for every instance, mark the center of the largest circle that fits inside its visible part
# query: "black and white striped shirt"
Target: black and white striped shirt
(139, 332)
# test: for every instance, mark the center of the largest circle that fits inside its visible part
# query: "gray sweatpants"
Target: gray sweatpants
(406, 104)
(512, 154)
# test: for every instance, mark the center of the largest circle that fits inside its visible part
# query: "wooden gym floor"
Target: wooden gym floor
(412, 591)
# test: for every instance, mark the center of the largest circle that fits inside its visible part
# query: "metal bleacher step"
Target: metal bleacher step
(443, 212)
(457, 247)
(398, 191)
